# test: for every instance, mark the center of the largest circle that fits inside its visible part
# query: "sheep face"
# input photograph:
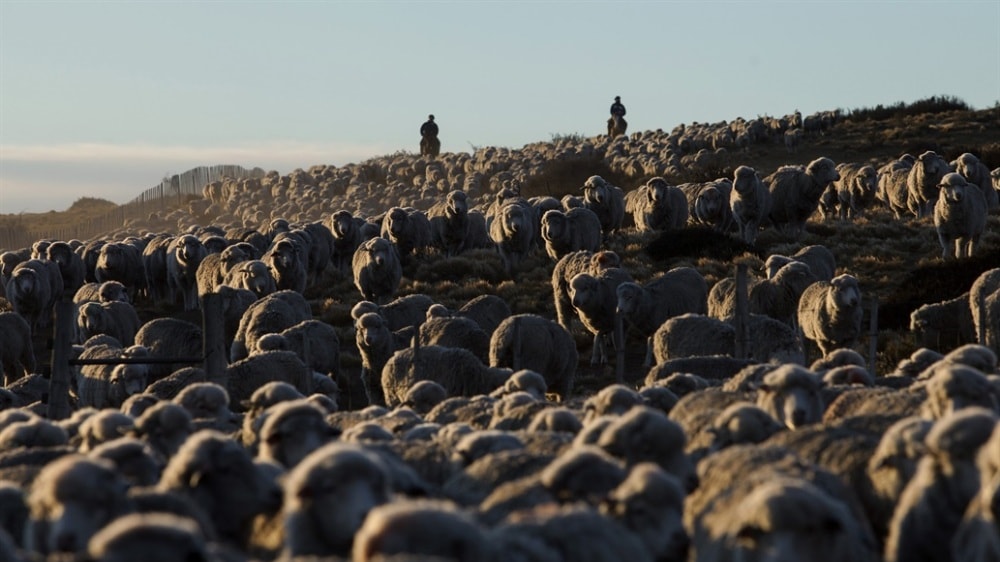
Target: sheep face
(284, 255)
(130, 378)
(188, 249)
(513, 219)
(110, 291)
(553, 225)
(657, 192)
(378, 249)
(629, 298)
(395, 221)
(953, 188)
(844, 292)
(230, 256)
(458, 204)
(797, 406)
(709, 203)
(582, 290)
(291, 432)
(25, 282)
(596, 190)
(745, 181)
(256, 276)
(342, 224)
(823, 172)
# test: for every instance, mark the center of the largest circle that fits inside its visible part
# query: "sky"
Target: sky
(103, 99)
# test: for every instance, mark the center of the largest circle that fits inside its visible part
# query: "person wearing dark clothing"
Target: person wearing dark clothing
(429, 143)
(617, 108)
(616, 123)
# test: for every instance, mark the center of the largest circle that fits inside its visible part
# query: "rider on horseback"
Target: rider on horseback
(616, 123)
(429, 143)
(617, 109)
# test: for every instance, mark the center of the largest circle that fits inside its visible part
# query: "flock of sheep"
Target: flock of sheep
(473, 445)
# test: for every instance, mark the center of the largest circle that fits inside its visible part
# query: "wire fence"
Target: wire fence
(172, 192)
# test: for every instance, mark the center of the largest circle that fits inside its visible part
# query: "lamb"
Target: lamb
(247, 375)
(116, 318)
(328, 496)
(214, 268)
(219, 475)
(17, 357)
(71, 267)
(377, 269)
(103, 386)
(645, 308)
(777, 297)
(750, 202)
(152, 537)
(574, 230)
(293, 430)
(376, 344)
(33, 289)
(288, 263)
(404, 312)
(183, 258)
(829, 313)
(984, 305)
(71, 499)
(855, 190)
(959, 216)
(270, 315)
(931, 507)
(944, 325)
(606, 201)
(709, 203)
(527, 341)
(464, 376)
(407, 229)
(513, 231)
(819, 258)
(790, 394)
(657, 206)
(795, 193)
(456, 332)
(923, 181)
(572, 264)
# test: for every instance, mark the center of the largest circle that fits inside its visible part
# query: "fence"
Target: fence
(170, 193)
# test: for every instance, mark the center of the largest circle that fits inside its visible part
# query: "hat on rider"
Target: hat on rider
(431, 117)
(618, 98)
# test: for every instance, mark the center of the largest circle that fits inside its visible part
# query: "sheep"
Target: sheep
(892, 190)
(953, 387)
(109, 385)
(288, 264)
(984, 305)
(777, 296)
(116, 318)
(33, 289)
(464, 376)
(572, 264)
(750, 202)
(450, 223)
(795, 193)
(328, 496)
(118, 261)
(527, 341)
(407, 229)
(699, 336)
(456, 332)
(376, 344)
(424, 529)
(32, 433)
(959, 216)
(154, 266)
(656, 205)
(606, 201)
(932, 504)
(574, 230)
(100, 292)
(819, 258)
(17, 356)
(487, 311)
(208, 404)
(270, 315)
(133, 459)
(291, 431)
(215, 267)
(252, 275)
(643, 434)
(347, 236)
(513, 231)
(377, 269)
(790, 394)
(646, 307)
(219, 475)
(708, 203)
(103, 427)
(944, 325)
(267, 395)
(977, 537)
(923, 183)
(169, 338)
(72, 498)
(594, 299)
(316, 343)
(403, 312)
(829, 313)
(855, 190)
(183, 258)
(71, 267)
(247, 375)
(152, 537)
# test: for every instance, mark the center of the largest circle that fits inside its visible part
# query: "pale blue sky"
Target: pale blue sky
(104, 98)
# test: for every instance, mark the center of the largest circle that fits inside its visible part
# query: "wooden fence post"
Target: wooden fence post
(65, 322)
(742, 312)
(213, 331)
(873, 335)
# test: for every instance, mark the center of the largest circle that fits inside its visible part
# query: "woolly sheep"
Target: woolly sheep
(100, 292)
(208, 404)
(795, 193)
(750, 202)
(247, 375)
(488, 311)
(376, 344)
(946, 480)
(453, 229)
(403, 312)
(183, 258)
(407, 229)
(790, 394)
(288, 263)
(954, 387)
(944, 325)
(819, 259)
(316, 343)
(33, 289)
(377, 269)
(656, 205)
(151, 537)
(829, 313)
(645, 308)
(291, 431)
(574, 230)
(855, 190)
(116, 318)
(984, 305)
(423, 396)
(214, 268)
(118, 261)
(959, 216)
(977, 538)
(270, 315)
(71, 499)
(699, 336)
(891, 466)
(169, 337)
(328, 496)
(422, 529)
(777, 297)
(71, 267)
(709, 203)
(643, 434)
(32, 433)
(103, 386)
(17, 357)
(465, 375)
(595, 301)
(154, 267)
(103, 427)
(513, 230)
(568, 267)
(923, 181)
(253, 275)
(892, 190)
(606, 201)
(348, 234)
(133, 459)
(456, 332)
(527, 341)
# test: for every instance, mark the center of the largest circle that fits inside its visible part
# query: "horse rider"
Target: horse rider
(617, 109)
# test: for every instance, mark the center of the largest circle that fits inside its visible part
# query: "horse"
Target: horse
(430, 146)
(616, 126)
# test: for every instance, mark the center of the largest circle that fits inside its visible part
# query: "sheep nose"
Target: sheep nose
(799, 416)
